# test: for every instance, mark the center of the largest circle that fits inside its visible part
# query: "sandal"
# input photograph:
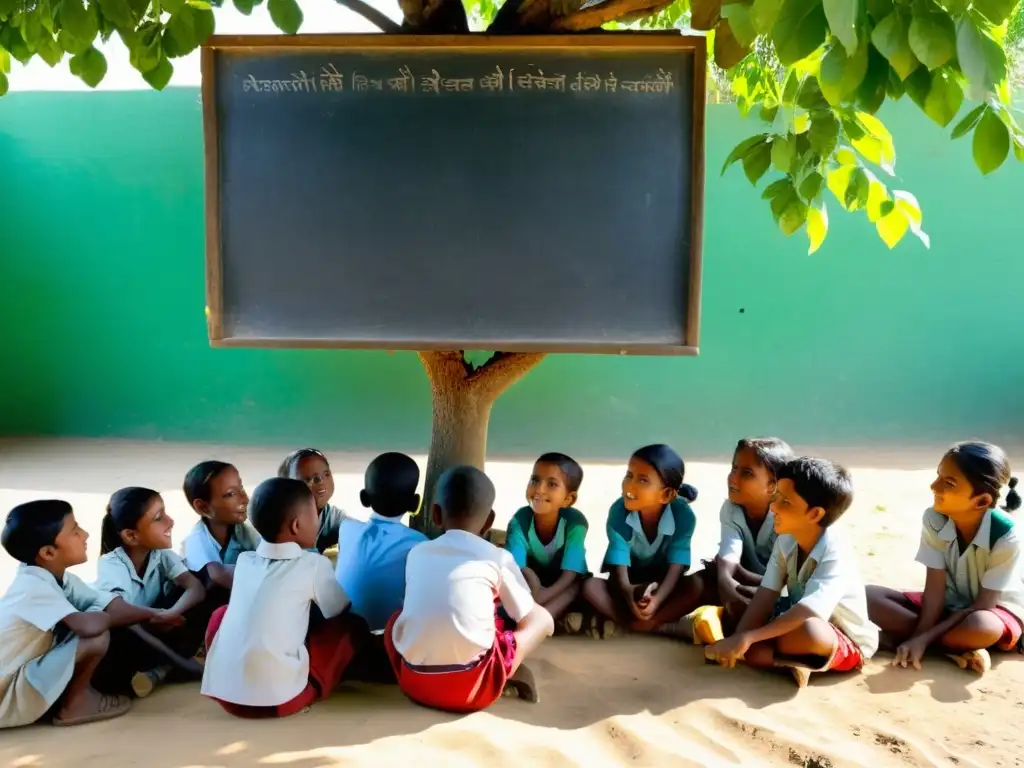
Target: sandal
(109, 708)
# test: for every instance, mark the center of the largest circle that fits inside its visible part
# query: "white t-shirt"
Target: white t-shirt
(450, 587)
(738, 543)
(199, 548)
(116, 574)
(259, 655)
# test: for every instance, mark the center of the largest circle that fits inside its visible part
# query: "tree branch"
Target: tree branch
(448, 366)
(372, 15)
(503, 370)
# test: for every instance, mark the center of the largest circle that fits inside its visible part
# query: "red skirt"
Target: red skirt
(331, 644)
(461, 688)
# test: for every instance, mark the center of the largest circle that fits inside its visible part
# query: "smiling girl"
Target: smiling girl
(311, 467)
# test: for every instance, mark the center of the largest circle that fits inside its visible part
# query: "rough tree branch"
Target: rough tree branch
(372, 15)
(503, 370)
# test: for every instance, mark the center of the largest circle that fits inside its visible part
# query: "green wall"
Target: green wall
(102, 330)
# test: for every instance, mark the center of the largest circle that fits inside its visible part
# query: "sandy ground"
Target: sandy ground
(628, 701)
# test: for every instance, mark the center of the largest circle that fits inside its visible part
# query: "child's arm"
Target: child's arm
(678, 555)
(87, 623)
(565, 580)
(220, 574)
(672, 575)
(123, 614)
(193, 595)
(327, 592)
(731, 575)
(574, 556)
(755, 619)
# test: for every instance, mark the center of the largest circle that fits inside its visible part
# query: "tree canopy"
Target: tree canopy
(813, 73)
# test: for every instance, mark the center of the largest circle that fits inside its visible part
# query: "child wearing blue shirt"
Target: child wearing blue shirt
(547, 537)
(649, 532)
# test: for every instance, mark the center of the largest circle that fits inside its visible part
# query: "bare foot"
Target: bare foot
(977, 661)
(524, 685)
(91, 706)
(573, 623)
(601, 628)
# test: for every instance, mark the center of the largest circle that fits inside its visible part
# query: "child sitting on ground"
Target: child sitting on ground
(310, 466)
(649, 532)
(547, 537)
(138, 565)
(823, 625)
(266, 657)
(54, 628)
(973, 595)
(449, 646)
(372, 555)
(214, 490)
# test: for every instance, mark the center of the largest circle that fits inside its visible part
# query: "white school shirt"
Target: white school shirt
(450, 587)
(199, 548)
(259, 655)
(115, 573)
(829, 583)
(371, 565)
(35, 667)
(998, 565)
(738, 543)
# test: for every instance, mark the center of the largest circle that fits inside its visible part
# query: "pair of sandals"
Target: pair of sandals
(110, 706)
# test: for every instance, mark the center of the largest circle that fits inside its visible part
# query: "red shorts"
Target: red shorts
(1011, 639)
(331, 645)
(467, 688)
(847, 656)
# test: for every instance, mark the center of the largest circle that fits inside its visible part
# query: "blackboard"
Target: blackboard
(539, 193)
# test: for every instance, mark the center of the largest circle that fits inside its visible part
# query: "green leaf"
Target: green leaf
(892, 228)
(967, 125)
(810, 96)
(789, 211)
(996, 11)
(945, 97)
(775, 188)
(768, 114)
(824, 133)
(991, 142)
(817, 227)
(932, 37)
(78, 23)
(171, 6)
(756, 162)
(4, 85)
(811, 187)
(764, 14)
(90, 67)
(982, 59)
(857, 190)
(120, 13)
(245, 6)
(783, 153)
(879, 9)
(876, 129)
(187, 30)
(1018, 148)
(871, 94)
(841, 75)
(727, 49)
(286, 15)
(842, 16)
(144, 48)
(742, 27)
(49, 50)
(799, 31)
(160, 75)
(5, 60)
(891, 38)
(911, 209)
(12, 42)
(742, 149)
(31, 28)
(704, 14)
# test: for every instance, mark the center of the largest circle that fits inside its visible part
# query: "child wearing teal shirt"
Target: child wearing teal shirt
(648, 555)
(547, 538)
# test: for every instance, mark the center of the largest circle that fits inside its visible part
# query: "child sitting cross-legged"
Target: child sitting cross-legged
(267, 657)
(823, 625)
(449, 646)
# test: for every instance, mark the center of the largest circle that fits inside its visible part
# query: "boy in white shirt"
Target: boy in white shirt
(823, 625)
(449, 646)
(265, 657)
(54, 628)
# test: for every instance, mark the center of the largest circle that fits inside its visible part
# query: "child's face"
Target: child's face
(306, 525)
(69, 547)
(954, 495)
(153, 531)
(792, 515)
(546, 493)
(316, 473)
(642, 487)
(751, 484)
(228, 502)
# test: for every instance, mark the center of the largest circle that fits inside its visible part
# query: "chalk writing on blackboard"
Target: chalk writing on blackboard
(433, 82)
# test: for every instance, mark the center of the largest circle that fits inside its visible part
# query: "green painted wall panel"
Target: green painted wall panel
(103, 332)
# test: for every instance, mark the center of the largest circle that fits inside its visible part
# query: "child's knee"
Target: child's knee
(980, 629)
(93, 647)
(815, 637)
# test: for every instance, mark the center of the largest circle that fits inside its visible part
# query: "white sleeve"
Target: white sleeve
(827, 585)
(197, 552)
(932, 551)
(1004, 564)
(83, 596)
(775, 573)
(112, 576)
(730, 547)
(327, 592)
(171, 564)
(513, 592)
(43, 607)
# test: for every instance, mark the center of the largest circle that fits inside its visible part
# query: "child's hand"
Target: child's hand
(727, 652)
(910, 652)
(165, 620)
(532, 581)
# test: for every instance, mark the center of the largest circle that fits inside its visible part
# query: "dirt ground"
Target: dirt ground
(627, 701)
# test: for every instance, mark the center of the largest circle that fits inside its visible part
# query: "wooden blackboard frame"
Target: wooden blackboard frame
(219, 45)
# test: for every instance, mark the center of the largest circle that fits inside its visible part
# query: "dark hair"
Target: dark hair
(32, 526)
(291, 462)
(669, 466)
(820, 483)
(389, 485)
(772, 453)
(570, 468)
(987, 470)
(125, 509)
(199, 478)
(464, 494)
(274, 502)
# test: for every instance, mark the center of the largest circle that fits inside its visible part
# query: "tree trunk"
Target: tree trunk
(462, 397)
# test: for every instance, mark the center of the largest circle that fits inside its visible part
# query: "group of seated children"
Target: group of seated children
(256, 610)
